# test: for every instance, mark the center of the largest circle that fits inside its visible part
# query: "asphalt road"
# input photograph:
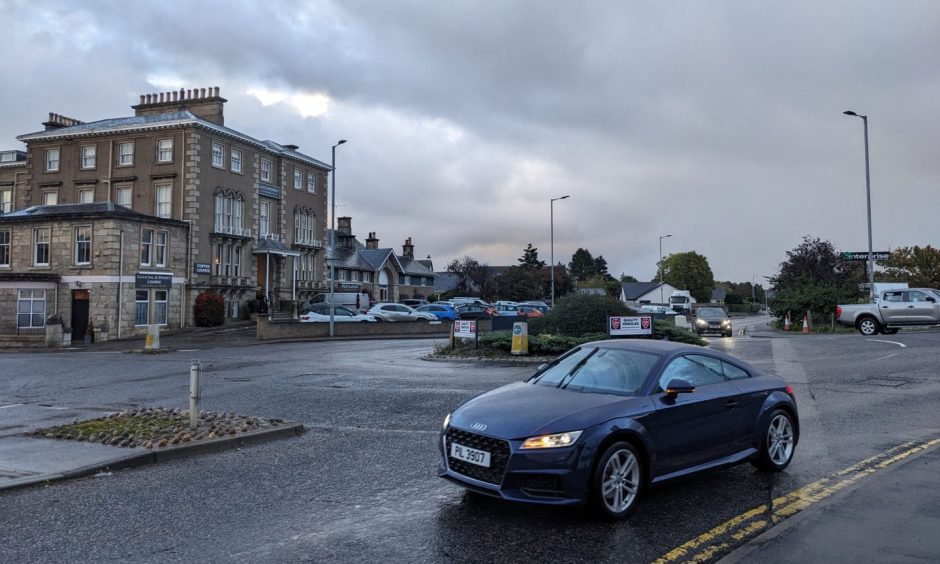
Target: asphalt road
(360, 485)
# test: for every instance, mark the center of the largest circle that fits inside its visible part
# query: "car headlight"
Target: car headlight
(701, 322)
(552, 441)
(447, 421)
(726, 322)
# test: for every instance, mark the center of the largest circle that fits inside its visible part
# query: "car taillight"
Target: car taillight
(838, 311)
(789, 389)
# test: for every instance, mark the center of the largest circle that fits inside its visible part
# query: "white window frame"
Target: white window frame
(53, 160)
(217, 259)
(32, 297)
(125, 158)
(146, 246)
(137, 309)
(264, 218)
(237, 261)
(119, 190)
(239, 213)
(163, 207)
(6, 200)
(89, 156)
(236, 161)
(298, 228)
(160, 244)
(50, 198)
(311, 183)
(218, 155)
(46, 242)
(6, 247)
(267, 166)
(298, 179)
(156, 306)
(79, 243)
(86, 195)
(165, 152)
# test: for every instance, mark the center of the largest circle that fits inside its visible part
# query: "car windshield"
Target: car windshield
(600, 370)
(710, 312)
(936, 293)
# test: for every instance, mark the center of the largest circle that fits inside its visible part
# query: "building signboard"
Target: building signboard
(629, 326)
(157, 280)
(202, 268)
(863, 256)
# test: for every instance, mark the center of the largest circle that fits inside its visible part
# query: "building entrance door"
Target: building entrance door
(80, 301)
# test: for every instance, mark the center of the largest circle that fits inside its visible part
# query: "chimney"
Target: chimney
(408, 249)
(372, 242)
(57, 121)
(344, 225)
(205, 103)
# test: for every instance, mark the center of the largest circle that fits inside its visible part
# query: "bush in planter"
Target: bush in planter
(580, 314)
(209, 310)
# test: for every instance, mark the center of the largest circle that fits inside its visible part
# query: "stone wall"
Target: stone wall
(276, 330)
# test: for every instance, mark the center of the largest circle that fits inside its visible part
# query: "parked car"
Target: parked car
(358, 301)
(609, 418)
(894, 309)
(399, 312)
(712, 320)
(414, 302)
(473, 311)
(505, 308)
(529, 311)
(321, 312)
(439, 310)
(463, 300)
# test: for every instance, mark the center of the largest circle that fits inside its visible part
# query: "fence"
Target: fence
(8, 327)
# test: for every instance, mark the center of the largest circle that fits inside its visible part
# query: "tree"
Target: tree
(582, 264)
(690, 271)
(608, 283)
(600, 266)
(918, 266)
(530, 258)
(624, 278)
(471, 275)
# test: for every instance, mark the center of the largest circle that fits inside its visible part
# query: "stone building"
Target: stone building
(252, 212)
(384, 275)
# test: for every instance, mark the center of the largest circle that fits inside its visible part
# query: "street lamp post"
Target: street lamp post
(753, 283)
(661, 237)
(871, 257)
(332, 255)
(551, 206)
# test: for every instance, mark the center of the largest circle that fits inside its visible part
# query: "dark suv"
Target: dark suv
(712, 320)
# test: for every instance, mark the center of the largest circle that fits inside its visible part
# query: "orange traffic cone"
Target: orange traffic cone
(805, 323)
(786, 322)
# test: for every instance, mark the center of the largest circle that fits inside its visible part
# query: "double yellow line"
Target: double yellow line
(751, 523)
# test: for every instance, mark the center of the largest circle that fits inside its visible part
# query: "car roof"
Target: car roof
(647, 345)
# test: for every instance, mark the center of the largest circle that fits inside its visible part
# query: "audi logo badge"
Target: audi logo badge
(478, 427)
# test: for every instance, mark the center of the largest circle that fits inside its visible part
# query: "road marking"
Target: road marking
(11, 405)
(754, 521)
(884, 357)
(902, 345)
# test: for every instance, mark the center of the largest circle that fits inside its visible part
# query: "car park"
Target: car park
(321, 313)
(399, 312)
(439, 310)
(474, 311)
(607, 419)
(712, 320)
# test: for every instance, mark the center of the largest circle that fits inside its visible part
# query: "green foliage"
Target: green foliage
(918, 266)
(732, 299)
(530, 258)
(819, 301)
(608, 283)
(471, 275)
(209, 310)
(545, 344)
(580, 314)
(581, 265)
(624, 278)
(814, 262)
(744, 308)
(690, 271)
(667, 330)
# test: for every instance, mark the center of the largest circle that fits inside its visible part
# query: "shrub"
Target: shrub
(667, 330)
(209, 310)
(581, 314)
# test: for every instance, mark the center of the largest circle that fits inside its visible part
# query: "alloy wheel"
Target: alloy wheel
(867, 327)
(621, 481)
(780, 439)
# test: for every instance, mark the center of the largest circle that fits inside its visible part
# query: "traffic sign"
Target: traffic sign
(863, 256)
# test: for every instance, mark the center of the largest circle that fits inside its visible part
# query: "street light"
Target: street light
(661, 237)
(551, 206)
(332, 257)
(871, 257)
(753, 283)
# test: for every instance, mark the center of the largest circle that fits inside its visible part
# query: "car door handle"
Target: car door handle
(731, 404)
(910, 307)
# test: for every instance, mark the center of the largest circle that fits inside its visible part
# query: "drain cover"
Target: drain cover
(887, 382)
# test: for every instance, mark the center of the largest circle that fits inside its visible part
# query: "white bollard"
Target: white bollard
(152, 341)
(195, 391)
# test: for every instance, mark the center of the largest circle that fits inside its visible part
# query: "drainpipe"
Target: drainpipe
(13, 195)
(120, 294)
(108, 179)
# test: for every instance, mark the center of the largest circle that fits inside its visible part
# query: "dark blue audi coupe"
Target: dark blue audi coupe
(608, 418)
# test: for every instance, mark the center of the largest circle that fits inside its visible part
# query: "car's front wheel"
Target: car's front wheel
(778, 442)
(618, 481)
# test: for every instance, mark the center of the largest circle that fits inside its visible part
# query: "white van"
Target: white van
(358, 301)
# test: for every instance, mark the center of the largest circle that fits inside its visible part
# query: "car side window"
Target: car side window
(732, 372)
(695, 369)
(894, 297)
(388, 308)
(916, 297)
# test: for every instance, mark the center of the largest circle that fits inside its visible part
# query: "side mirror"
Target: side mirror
(678, 386)
(931, 300)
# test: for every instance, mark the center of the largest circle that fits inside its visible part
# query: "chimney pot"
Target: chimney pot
(175, 93)
(202, 93)
(141, 98)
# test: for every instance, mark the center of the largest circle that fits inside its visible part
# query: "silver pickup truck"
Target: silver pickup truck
(894, 309)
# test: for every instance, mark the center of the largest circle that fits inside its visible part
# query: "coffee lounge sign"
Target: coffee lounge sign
(153, 280)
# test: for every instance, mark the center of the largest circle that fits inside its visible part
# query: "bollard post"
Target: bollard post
(195, 389)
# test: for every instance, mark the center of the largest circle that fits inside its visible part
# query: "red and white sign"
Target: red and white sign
(626, 326)
(466, 329)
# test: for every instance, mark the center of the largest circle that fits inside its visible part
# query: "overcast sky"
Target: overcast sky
(718, 122)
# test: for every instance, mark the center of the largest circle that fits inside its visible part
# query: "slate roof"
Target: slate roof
(165, 121)
(633, 290)
(361, 258)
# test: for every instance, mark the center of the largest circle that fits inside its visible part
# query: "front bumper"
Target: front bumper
(547, 476)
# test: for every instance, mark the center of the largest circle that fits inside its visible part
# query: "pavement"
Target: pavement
(884, 520)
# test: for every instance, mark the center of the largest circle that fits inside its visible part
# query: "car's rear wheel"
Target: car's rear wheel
(867, 326)
(778, 442)
(618, 481)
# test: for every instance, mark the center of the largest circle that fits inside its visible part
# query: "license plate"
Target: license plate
(471, 455)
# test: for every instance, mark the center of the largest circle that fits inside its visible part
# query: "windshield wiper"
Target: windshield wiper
(574, 370)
